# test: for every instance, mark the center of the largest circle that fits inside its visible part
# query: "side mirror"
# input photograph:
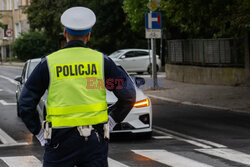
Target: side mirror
(123, 57)
(19, 79)
(139, 81)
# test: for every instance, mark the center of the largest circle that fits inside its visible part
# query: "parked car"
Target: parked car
(27, 70)
(135, 60)
(139, 120)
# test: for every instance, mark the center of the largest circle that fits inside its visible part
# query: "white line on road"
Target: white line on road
(169, 158)
(1, 90)
(228, 154)
(114, 163)
(162, 137)
(7, 140)
(182, 139)
(189, 103)
(3, 102)
(190, 137)
(9, 79)
(25, 161)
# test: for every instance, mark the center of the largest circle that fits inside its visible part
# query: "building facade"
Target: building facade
(15, 22)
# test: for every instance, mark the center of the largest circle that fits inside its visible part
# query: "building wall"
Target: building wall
(206, 75)
(13, 16)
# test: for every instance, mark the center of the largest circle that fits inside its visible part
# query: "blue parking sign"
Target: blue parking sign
(153, 20)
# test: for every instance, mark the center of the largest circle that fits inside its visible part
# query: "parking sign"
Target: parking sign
(153, 20)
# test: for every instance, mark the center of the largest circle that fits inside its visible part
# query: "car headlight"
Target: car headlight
(142, 103)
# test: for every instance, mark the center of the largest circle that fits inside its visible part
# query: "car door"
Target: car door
(141, 60)
(127, 61)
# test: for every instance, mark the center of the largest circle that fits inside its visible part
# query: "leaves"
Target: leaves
(111, 31)
(193, 18)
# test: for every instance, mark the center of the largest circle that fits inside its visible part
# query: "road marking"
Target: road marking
(1, 90)
(3, 102)
(114, 163)
(164, 98)
(189, 103)
(228, 154)
(9, 79)
(169, 158)
(8, 141)
(27, 161)
(190, 137)
(182, 139)
(162, 137)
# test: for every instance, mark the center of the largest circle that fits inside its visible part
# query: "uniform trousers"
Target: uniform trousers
(74, 151)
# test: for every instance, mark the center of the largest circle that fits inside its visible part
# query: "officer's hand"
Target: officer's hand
(112, 123)
(40, 137)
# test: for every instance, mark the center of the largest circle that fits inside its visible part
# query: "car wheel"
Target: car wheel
(17, 109)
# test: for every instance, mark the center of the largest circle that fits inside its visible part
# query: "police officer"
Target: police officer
(76, 123)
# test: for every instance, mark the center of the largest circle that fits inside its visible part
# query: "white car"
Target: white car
(135, 60)
(139, 119)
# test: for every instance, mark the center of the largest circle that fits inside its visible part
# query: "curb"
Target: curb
(196, 104)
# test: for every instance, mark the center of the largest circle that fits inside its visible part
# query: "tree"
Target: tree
(111, 32)
(31, 45)
(194, 19)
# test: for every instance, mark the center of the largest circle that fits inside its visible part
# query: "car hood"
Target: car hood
(111, 98)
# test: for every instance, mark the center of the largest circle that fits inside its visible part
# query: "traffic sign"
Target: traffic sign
(153, 33)
(9, 32)
(153, 5)
(153, 20)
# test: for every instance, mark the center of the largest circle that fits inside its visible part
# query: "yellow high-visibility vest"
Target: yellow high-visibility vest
(74, 97)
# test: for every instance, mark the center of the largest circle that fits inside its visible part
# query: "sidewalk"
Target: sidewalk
(17, 64)
(235, 99)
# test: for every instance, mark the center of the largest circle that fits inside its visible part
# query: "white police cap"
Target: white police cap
(78, 20)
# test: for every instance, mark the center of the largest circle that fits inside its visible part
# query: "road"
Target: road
(183, 136)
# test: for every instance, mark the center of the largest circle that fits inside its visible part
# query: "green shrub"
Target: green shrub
(31, 45)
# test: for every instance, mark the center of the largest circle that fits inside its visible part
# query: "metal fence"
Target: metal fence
(206, 52)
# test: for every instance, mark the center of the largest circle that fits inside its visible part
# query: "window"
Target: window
(16, 4)
(9, 5)
(2, 4)
(130, 54)
(17, 30)
(141, 53)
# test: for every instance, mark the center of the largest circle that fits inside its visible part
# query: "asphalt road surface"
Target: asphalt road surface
(183, 136)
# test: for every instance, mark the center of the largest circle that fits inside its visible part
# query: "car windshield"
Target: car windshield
(31, 67)
(116, 54)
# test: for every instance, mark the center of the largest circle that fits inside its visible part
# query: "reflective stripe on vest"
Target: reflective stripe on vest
(76, 94)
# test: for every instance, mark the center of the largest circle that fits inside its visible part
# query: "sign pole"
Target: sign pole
(153, 31)
(154, 70)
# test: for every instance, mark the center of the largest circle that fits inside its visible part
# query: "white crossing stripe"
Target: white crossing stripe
(189, 137)
(3, 102)
(162, 137)
(22, 161)
(169, 158)
(9, 79)
(114, 163)
(228, 154)
(7, 140)
(1, 90)
(182, 139)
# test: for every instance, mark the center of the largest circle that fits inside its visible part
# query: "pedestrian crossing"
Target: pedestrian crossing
(161, 156)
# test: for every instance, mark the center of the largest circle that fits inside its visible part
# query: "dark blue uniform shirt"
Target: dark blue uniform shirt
(38, 83)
